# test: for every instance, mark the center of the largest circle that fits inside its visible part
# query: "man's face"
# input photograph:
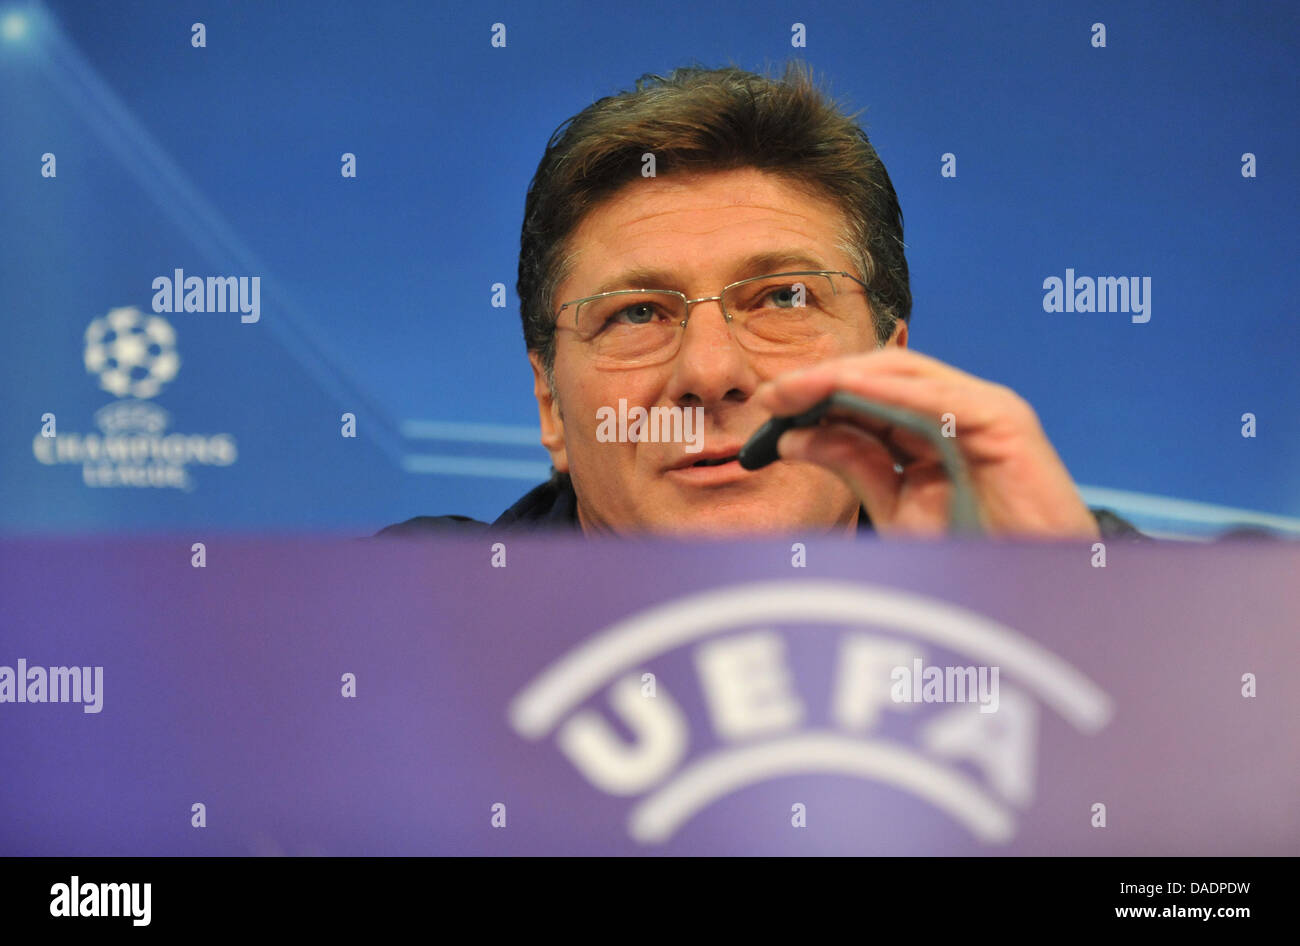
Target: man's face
(706, 231)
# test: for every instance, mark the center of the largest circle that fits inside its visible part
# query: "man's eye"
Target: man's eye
(787, 297)
(642, 313)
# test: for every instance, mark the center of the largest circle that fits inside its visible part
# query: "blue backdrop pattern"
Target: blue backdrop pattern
(375, 292)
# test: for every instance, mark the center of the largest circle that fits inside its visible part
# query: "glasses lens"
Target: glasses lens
(632, 327)
(776, 313)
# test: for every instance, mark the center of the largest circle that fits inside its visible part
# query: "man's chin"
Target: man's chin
(761, 505)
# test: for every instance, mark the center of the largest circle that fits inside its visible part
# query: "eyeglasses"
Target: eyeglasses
(775, 314)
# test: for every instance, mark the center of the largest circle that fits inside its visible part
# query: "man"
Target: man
(724, 248)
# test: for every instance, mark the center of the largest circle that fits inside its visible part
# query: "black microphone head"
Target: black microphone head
(760, 449)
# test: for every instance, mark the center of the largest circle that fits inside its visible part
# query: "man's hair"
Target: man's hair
(697, 120)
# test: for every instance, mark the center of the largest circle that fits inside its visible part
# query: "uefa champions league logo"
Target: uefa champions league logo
(133, 354)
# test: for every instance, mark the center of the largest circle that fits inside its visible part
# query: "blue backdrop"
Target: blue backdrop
(376, 291)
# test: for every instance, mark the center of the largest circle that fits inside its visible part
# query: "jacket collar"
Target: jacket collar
(554, 505)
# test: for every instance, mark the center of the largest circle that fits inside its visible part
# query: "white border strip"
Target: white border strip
(515, 434)
(477, 466)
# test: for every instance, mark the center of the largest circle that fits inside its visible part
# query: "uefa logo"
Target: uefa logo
(977, 767)
(133, 354)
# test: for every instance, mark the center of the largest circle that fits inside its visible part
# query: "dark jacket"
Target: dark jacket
(553, 505)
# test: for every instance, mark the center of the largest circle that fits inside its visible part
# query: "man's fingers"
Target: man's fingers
(858, 458)
(959, 407)
(904, 444)
(799, 390)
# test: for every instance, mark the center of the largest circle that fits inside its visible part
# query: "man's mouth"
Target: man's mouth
(716, 461)
(720, 455)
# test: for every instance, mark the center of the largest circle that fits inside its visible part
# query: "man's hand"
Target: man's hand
(1020, 483)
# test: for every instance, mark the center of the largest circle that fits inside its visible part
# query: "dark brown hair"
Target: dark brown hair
(698, 119)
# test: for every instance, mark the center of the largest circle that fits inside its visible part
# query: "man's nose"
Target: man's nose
(710, 364)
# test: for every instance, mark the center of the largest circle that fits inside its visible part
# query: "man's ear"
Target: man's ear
(548, 410)
(899, 337)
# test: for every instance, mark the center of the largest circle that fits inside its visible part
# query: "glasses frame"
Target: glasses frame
(689, 303)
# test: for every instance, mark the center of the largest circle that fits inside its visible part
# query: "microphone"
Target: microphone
(963, 511)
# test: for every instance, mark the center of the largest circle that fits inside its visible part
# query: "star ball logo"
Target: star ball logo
(133, 356)
(760, 718)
